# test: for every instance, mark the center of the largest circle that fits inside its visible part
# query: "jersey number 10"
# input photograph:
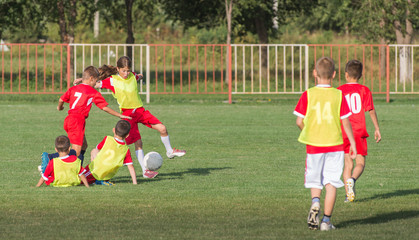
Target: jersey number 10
(354, 102)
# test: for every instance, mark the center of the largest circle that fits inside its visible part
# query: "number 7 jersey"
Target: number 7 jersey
(80, 99)
(359, 100)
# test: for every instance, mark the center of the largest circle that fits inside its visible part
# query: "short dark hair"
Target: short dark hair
(124, 61)
(325, 67)
(354, 69)
(122, 128)
(90, 71)
(62, 143)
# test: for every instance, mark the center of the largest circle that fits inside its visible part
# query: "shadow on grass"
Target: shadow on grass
(390, 195)
(381, 218)
(174, 175)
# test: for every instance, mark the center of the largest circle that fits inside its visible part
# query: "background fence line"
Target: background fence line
(208, 68)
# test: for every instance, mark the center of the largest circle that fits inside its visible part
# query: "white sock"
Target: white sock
(166, 142)
(140, 157)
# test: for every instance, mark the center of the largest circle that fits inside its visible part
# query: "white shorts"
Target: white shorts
(324, 168)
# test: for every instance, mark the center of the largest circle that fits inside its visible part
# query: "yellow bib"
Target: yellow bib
(108, 160)
(126, 92)
(66, 174)
(322, 120)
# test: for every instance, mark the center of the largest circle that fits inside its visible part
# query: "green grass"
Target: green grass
(242, 177)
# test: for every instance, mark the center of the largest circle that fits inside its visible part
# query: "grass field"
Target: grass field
(242, 177)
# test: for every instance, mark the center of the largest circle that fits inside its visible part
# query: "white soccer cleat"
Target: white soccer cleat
(313, 216)
(40, 169)
(176, 153)
(350, 184)
(324, 226)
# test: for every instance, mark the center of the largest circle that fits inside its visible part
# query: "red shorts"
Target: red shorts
(361, 145)
(139, 115)
(74, 125)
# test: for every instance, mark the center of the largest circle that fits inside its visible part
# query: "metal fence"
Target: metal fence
(208, 68)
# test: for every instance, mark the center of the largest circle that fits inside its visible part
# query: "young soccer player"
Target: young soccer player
(80, 99)
(319, 112)
(359, 98)
(123, 84)
(64, 170)
(109, 155)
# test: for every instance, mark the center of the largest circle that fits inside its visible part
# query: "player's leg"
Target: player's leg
(314, 164)
(164, 135)
(83, 149)
(359, 167)
(329, 204)
(347, 171)
(139, 152)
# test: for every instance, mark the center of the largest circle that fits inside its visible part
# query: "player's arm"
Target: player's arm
(348, 130)
(112, 112)
(377, 133)
(77, 81)
(60, 105)
(84, 180)
(300, 122)
(132, 173)
(40, 182)
(93, 154)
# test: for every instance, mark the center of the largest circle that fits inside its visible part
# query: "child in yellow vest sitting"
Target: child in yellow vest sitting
(109, 155)
(65, 170)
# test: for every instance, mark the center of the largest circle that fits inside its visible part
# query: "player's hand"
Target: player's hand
(60, 108)
(77, 81)
(352, 152)
(125, 117)
(377, 136)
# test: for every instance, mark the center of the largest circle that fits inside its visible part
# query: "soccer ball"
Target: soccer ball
(153, 161)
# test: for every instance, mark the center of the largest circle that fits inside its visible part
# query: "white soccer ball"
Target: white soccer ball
(153, 161)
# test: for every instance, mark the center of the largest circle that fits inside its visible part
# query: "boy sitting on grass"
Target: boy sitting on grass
(64, 170)
(109, 156)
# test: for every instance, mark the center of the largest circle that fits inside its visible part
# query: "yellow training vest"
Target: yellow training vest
(108, 160)
(322, 120)
(126, 92)
(66, 174)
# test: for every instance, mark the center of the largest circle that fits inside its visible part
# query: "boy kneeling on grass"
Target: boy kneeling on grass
(109, 155)
(64, 170)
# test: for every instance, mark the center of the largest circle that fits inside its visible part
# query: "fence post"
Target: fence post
(388, 74)
(307, 59)
(229, 74)
(147, 74)
(68, 66)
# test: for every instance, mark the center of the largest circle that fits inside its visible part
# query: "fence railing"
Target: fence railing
(208, 69)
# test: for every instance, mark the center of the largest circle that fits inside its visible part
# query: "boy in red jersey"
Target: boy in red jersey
(319, 112)
(109, 155)
(65, 170)
(80, 99)
(359, 99)
(123, 84)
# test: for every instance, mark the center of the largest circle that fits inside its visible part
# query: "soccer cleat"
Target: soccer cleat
(346, 200)
(350, 184)
(324, 226)
(150, 174)
(176, 153)
(40, 169)
(102, 182)
(313, 216)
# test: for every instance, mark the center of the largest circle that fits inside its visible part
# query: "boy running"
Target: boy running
(359, 98)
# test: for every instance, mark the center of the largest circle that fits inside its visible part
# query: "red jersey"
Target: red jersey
(48, 175)
(359, 99)
(80, 99)
(301, 110)
(127, 160)
(108, 82)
